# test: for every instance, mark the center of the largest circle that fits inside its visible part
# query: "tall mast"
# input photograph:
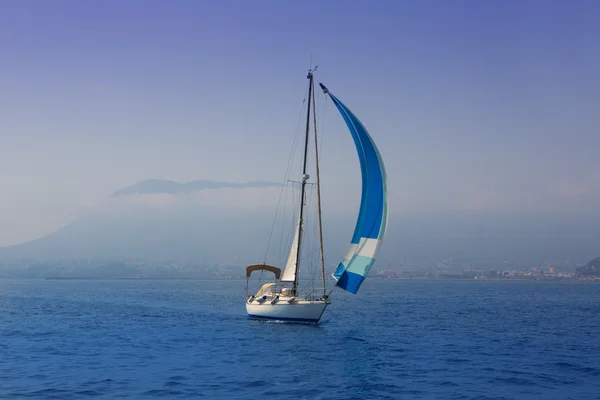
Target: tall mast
(304, 179)
(318, 194)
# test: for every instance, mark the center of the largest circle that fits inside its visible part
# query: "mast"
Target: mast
(304, 179)
(319, 195)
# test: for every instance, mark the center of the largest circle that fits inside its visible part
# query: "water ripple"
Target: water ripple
(191, 339)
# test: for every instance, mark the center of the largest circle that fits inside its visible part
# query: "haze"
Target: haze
(476, 106)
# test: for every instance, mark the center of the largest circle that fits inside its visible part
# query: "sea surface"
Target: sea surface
(413, 339)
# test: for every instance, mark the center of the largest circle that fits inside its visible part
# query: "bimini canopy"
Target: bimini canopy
(259, 267)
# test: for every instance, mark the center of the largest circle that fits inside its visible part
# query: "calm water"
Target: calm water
(395, 339)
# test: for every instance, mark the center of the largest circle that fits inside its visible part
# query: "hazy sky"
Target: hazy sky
(475, 105)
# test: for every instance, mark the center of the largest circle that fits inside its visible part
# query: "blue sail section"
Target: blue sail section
(372, 215)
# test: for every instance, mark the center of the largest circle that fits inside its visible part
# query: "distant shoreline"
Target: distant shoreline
(108, 278)
(99, 278)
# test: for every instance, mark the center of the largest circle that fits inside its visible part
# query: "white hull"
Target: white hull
(299, 311)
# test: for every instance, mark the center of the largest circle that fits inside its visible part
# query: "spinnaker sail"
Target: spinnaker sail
(372, 216)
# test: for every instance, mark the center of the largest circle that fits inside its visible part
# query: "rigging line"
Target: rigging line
(291, 231)
(259, 278)
(324, 117)
(318, 179)
(311, 238)
(290, 161)
(292, 226)
(311, 254)
(305, 224)
(280, 255)
(316, 234)
(308, 259)
(313, 257)
(281, 232)
(279, 203)
(323, 122)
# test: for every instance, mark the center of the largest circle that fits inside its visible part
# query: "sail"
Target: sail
(289, 273)
(372, 216)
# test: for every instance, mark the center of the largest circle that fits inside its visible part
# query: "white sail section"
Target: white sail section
(289, 273)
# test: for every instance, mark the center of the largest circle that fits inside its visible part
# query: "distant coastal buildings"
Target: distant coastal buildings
(533, 273)
(154, 269)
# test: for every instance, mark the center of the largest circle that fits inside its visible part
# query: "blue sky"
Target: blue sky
(475, 105)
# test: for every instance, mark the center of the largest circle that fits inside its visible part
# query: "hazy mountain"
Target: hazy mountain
(154, 186)
(162, 233)
(223, 236)
(220, 234)
(592, 268)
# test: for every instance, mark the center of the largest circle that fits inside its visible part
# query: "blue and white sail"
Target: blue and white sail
(372, 217)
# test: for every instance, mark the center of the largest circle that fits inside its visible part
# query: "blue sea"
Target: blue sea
(413, 339)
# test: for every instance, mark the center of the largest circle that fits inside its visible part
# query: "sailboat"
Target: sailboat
(282, 300)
